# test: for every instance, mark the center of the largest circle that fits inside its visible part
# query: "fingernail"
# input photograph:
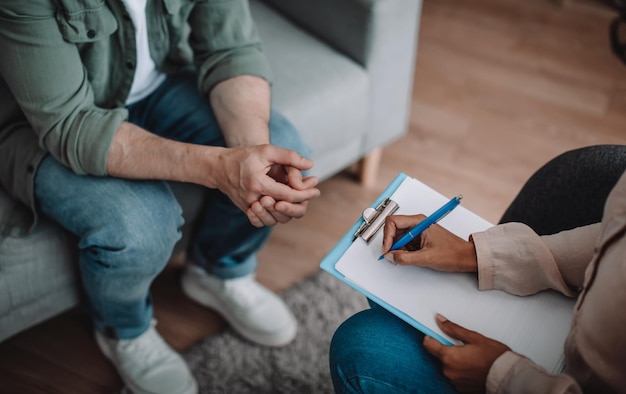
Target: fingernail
(441, 318)
(389, 256)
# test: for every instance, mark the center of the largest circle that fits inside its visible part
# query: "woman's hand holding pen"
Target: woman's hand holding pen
(468, 365)
(435, 248)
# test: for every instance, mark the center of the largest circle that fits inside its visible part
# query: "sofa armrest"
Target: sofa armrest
(380, 35)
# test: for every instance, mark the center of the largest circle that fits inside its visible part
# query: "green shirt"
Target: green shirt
(67, 66)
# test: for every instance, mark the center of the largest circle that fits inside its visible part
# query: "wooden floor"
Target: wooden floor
(501, 86)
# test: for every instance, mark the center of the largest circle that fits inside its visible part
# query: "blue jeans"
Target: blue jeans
(127, 229)
(375, 352)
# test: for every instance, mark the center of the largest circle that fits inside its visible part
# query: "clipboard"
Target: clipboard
(415, 294)
(328, 263)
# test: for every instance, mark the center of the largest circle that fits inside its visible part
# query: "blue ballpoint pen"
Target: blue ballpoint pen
(424, 224)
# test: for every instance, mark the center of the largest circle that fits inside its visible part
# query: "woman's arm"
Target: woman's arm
(513, 258)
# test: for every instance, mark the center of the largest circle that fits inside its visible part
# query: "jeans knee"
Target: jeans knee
(348, 339)
(140, 235)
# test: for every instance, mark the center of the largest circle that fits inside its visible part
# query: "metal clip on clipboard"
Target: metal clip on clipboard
(374, 218)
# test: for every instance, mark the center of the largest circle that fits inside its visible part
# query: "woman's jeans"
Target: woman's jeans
(127, 228)
(375, 352)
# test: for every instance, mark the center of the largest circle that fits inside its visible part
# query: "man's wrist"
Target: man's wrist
(202, 165)
(247, 132)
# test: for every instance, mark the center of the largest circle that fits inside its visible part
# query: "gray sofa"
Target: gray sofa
(342, 74)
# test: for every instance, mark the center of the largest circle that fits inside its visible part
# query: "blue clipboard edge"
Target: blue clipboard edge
(328, 265)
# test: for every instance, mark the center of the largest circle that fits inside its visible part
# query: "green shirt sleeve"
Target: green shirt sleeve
(225, 42)
(47, 79)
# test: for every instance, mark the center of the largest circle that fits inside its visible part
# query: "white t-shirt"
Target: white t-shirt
(147, 78)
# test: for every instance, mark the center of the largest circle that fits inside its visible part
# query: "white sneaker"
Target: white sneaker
(253, 311)
(147, 364)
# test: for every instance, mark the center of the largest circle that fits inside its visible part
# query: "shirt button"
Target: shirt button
(30, 168)
(91, 33)
(130, 65)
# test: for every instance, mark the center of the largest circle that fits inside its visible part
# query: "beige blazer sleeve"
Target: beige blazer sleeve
(513, 258)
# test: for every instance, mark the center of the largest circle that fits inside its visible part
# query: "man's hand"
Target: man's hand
(435, 248)
(242, 107)
(267, 211)
(248, 177)
(467, 365)
(244, 174)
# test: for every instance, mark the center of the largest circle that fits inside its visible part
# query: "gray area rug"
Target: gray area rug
(226, 363)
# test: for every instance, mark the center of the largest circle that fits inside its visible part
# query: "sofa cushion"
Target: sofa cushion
(38, 274)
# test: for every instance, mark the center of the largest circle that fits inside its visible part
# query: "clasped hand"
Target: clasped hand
(467, 365)
(266, 183)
